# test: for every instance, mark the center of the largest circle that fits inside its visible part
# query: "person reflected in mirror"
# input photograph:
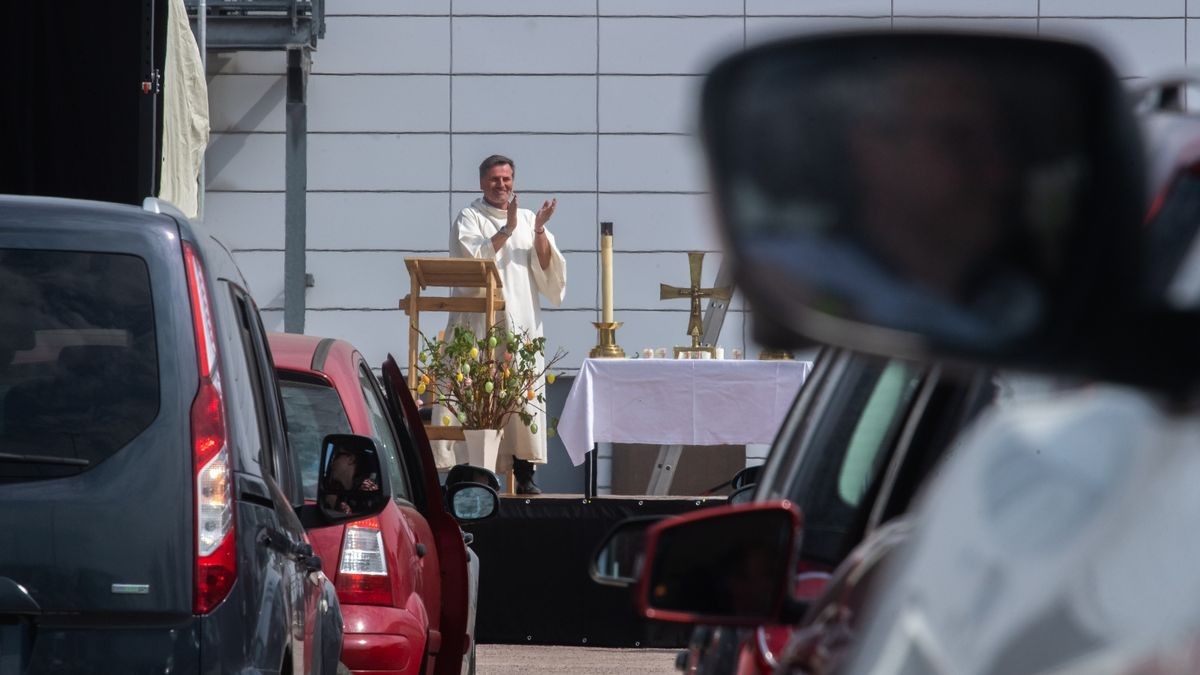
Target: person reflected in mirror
(918, 222)
(348, 487)
(495, 227)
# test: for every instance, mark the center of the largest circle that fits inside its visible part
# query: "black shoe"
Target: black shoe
(528, 487)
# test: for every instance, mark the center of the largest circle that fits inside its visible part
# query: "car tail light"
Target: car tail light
(362, 577)
(216, 549)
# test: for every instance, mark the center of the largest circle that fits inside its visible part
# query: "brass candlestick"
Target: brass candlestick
(608, 347)
(775, 355)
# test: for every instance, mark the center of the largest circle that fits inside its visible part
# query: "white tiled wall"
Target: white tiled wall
(594, 99)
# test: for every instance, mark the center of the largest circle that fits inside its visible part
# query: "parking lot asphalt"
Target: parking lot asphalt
(542, 660)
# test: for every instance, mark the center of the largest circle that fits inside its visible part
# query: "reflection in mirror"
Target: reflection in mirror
(742, 495)
(469, 501)
(932, 184)
(352, 484)
(734, 565)
(618, 562)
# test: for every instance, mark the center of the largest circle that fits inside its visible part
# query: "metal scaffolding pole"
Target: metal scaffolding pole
(296, 185)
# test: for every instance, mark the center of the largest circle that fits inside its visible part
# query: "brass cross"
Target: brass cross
(695, 293)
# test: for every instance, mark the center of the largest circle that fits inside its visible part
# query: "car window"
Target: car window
(890, 395)
(78, 361)
(848, 449)
(268, 417)
(381, 428)
(313, 411)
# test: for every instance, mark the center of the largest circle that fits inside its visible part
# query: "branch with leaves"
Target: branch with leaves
(483, 381)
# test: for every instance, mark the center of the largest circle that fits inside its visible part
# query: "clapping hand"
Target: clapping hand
(544, 214)
(512, 213)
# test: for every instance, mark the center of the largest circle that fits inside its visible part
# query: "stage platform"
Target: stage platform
(534, 586)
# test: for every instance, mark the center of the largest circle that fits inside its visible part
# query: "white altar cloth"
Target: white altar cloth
(677, 402)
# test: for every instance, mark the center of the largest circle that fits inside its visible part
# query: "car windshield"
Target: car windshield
(313, 412)
(78, 360)
(847, 450)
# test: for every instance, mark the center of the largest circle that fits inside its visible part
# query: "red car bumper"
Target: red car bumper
(381, 640)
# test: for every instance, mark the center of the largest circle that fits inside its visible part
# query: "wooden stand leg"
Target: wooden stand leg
(414, 334)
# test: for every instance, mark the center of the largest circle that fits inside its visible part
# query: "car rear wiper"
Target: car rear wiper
(42, 459)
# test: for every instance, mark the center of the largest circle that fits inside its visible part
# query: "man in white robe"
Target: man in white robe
(529, 262)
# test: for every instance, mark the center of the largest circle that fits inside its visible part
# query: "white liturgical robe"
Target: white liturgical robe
(522, 279)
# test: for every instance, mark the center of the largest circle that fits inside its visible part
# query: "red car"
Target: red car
(406, 579)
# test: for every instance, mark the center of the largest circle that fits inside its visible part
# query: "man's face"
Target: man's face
(341, 469)
(496, 184)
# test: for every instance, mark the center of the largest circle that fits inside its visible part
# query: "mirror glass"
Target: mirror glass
(734, 566)
(938, 185)
(352, 484)
(472, 502)
(742, 495)
(619, 560)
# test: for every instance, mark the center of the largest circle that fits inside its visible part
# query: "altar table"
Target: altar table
(677, 402)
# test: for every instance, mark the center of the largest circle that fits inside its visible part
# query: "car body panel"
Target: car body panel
(424, 544)
(107, 554)
(810, 457)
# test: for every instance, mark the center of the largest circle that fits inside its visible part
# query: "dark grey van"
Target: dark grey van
(150, 512)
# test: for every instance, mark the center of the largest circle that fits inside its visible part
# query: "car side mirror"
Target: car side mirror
(742, 495)
(618, 560)
(746, 477)
(352, 484)
(728, 566)
(472, 502)
(467, 473)
(919, 194)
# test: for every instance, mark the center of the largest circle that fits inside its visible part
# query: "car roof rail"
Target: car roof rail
(156, 205)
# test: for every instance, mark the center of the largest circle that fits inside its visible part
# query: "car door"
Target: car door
(420, 550)
(286, 535)
(451, 547)
(946, 404)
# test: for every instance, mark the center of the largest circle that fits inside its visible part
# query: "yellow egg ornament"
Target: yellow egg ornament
(550, 378)
(420, 388)
(445, 420)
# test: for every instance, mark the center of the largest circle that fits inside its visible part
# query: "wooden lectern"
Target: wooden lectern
(447, 272)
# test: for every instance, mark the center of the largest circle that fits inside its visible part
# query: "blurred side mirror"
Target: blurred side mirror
(472, 502)
(352, 482)
(729, 566)
(618, 560)
(909, 194)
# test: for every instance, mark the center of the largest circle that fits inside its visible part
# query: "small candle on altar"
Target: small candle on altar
(606, 270)
(647, 353)
(719, 353)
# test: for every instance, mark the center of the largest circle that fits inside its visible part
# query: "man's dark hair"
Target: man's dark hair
(496, 160)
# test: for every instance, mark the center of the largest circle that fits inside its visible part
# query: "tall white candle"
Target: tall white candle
(606, 270)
